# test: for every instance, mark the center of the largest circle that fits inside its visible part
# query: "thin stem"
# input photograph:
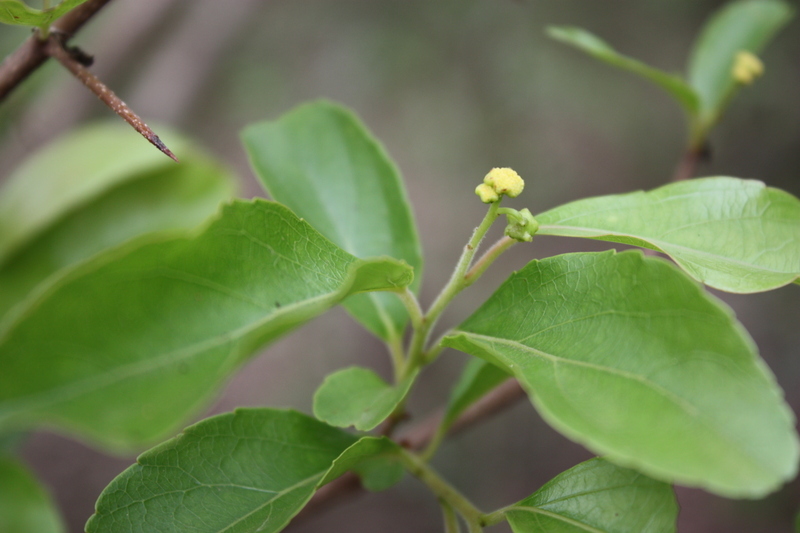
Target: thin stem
(487, 259)
(412, 306)
(435, 348)
(416, 438)
(416, 351)
(496, 517)
(450, 518)
(442, 489)
(55, 48)
(395, 345)
(456, 283)
(30, 55)
(436, 441)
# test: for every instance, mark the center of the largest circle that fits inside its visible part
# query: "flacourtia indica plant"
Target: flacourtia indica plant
(134, 330)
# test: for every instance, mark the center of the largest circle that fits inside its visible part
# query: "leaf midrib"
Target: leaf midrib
(537, 510)
(142, 367)
(687, 407)
(602, 232)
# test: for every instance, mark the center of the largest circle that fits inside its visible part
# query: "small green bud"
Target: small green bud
(521, 224)
(486, 193)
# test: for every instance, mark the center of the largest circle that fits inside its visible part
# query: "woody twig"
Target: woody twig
(35, 51)
(75, 60)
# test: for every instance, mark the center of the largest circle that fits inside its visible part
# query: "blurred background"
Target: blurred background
(452, 88)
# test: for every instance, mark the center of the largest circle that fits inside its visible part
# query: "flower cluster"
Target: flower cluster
(746, 67)
(499, 181)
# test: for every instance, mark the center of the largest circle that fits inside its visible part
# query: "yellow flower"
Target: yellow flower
(504, 181)
(486, 193)
(746, 67)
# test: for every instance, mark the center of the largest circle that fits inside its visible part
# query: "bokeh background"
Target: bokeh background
(452, 88)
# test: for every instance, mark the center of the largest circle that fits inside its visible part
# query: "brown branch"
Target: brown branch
(687, 166)
(31, 54)
(74, 62)
(417, 438)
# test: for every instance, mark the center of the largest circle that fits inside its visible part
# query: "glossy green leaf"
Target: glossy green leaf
(246, 471)
(17, 12)
(71, 173)
(323, 163)
(357, 396)
(731, 234)
(599, 49)
(155, 195)
(745, 25)
(25, 506)
(477, 379)
(125, 346)
(597, 497)
(626, 355)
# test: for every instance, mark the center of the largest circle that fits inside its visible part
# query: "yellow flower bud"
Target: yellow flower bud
(746, 67)
(486, 193)
(504, 181)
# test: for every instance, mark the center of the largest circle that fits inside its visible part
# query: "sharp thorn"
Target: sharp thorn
(158, 143)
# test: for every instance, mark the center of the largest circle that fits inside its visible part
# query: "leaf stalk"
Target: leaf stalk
(443, 490)
(458, 282)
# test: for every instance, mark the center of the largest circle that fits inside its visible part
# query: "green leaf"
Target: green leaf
(17, 12)
(477, 379)
(744, 25)
(598, 497)
(25, 506)
(599, 49)
(731, 234)
(154, 194)
(246, 471)
(356, 396)
(71, 173)
(125, 346)
(629, 357)
(323, 163)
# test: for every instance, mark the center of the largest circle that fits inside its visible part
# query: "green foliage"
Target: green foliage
(607, 343)
(123, 313)
(194, 309)
(358, 397)
(745, 25)
(599, 49)
(201, 481)
(104, 186)
(364, 210)
(24, 505)
(731, 234)
(17, 12)
(73, 172)
(597, 496)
